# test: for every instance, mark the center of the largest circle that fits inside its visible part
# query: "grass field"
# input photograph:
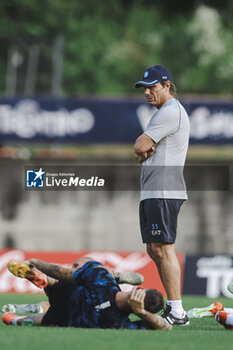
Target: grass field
(202, 334)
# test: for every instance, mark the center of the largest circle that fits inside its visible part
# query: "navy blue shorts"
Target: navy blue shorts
(158, 219)
(57, 314)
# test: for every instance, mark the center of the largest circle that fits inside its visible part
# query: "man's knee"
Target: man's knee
(155, 251)
(159, 251)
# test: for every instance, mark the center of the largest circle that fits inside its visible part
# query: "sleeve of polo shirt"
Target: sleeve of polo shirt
(162, 124)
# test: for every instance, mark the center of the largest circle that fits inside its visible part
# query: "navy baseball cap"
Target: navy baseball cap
(153, 75)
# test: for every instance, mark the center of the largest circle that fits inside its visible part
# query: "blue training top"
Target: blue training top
(92, 300)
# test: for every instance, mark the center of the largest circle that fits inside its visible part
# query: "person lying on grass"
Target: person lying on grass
(87, 296)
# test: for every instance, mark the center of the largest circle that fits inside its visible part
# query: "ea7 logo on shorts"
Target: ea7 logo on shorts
(35, 178)
(155, 230)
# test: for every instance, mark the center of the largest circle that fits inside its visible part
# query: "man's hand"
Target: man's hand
(137, 301)
(154, 321)
(151, 151)
(142, 156)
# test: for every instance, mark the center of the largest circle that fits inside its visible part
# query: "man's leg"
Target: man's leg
(225, 318)
(168, 266)
(208, 311)
(39, 308)
(133, 278)
(15, 320)
(41, 280)
(30, 273)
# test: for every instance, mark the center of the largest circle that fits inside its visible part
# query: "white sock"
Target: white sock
(15, 320)
(177, 308)
(229, 320)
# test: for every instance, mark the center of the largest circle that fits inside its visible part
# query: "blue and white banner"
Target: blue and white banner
(211, 122)
(104, 121)
(208, 275)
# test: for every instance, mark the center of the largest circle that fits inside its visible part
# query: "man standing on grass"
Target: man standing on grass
(162, 150)
(87, 296)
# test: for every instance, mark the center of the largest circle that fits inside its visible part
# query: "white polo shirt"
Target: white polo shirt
(162, 173)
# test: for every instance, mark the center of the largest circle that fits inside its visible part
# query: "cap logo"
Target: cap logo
(146, 74)
(164, 77)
